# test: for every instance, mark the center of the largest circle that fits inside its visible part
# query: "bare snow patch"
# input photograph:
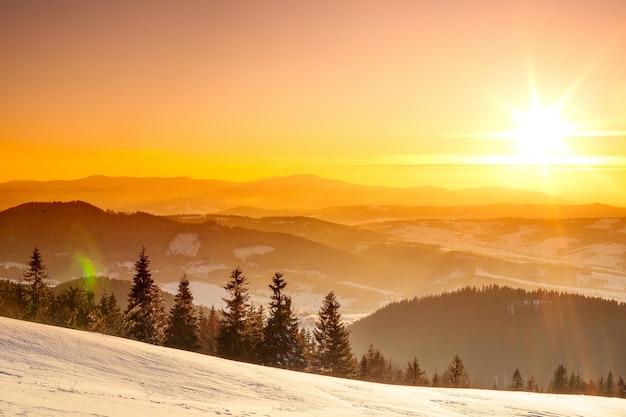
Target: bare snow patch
(603, 224)
(185, 244)
(243, 253)
(9, 265)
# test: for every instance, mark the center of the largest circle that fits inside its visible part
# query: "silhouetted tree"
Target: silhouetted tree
(456, 375)
(254, 334)
(414, 375)
(517, 383)
(11, 299)
(208, 330)
(74, 308)
(234, 340)
(559, 383)
(333, 353)
(436, 381)
(37, 295)
(145, 318)
(109, 318)
(621, 388)
(531, 385)
(182, 328)
(576, 384)
(609, 386)
(282, 346)
(374, 366)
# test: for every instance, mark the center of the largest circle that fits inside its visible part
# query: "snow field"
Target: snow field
(51, 371)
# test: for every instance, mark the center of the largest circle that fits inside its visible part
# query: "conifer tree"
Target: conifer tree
(414, 375)
(374, 367)
(436, 381)
(37, 293)
(254, 337)
(531, 385)
(456, 375)
(333, 353)
(621, 388)
(282, 346)
(109, 318)
(517, 383)
(559, 383)
(609, 386)
(182, 328)
(145, 317)
(232, 341)
(208, 330)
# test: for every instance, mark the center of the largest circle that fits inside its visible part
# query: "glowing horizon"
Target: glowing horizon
(363, 92)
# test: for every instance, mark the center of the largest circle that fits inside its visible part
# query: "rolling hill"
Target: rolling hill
(498, 329)
(367, 266)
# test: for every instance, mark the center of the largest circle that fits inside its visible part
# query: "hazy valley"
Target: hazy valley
(369, 255)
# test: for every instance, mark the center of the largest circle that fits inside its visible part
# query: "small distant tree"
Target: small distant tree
(333, 353)
(37, 293)
(282, 346)
(621, 388)
(208, 330)
(576, 384)
(182, 328)
(609, 386)
(74, 308)
(559, 383)
(145, 318)
(414, 375)
(109, 318)
(436, 380)
(10, 298)
(456, 375)
(517, 383)
(374, 366)
(531, 385)
(233, 341)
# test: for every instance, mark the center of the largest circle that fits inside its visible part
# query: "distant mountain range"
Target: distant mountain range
(300, 194)
(367, 266)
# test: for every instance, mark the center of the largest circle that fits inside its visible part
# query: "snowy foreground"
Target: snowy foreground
(47, 371)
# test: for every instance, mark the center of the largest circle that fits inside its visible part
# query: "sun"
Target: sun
(540, 132)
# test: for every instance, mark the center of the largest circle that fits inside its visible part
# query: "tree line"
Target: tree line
(244, 332)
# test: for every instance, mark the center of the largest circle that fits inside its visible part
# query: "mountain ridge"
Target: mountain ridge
(179, 195)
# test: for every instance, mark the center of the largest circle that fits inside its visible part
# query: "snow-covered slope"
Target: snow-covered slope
(48, 371)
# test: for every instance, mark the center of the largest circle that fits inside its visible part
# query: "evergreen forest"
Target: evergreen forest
(272, 334)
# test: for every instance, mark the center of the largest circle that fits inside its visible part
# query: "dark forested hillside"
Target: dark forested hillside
(496, 330)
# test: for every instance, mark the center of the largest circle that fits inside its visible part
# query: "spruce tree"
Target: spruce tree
(374, 367)
(333, 353)
(145, 317)
(559, 383)
(609, 386)
(456, 375)
(282, 346)
(37, 293)
(232, 341)
(109, 318)
(182, 328)
(517, 383)
(436, 381)
(414, 374)
(208, 330)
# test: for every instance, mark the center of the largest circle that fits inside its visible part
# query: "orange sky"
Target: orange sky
(396, 93)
